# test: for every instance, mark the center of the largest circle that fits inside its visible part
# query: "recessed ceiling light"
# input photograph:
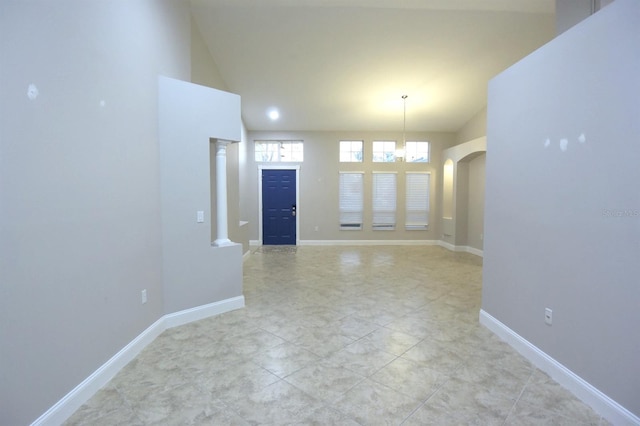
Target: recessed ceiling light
(274, 114)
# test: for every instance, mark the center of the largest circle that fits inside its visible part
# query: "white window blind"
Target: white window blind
(417, 198)
(351, 200)
(384, 201)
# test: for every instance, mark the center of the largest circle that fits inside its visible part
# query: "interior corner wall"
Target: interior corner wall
(562, 217)
(475, 128)
(475, 202)
(461, 204)
(204, 70)
(79, 189)
(243, 190)
(465, 228)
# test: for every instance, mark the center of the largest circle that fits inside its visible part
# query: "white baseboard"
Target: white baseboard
(440, 243)
(368, 242)
(601, 403)
(447, 245)
(246, 255)
(466, 249)
(200, 312)
(68, 405)
(472, 250)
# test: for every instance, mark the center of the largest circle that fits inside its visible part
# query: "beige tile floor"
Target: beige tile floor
(344, 336)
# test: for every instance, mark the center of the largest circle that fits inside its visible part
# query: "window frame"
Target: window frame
(277, 154)
(385, 152)
(351, 153)
(406, 151)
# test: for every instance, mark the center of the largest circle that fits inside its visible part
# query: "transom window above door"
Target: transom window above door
(278, 151)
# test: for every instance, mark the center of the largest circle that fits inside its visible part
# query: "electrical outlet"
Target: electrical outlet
(143, 296)
(548, 316)
(317, 228)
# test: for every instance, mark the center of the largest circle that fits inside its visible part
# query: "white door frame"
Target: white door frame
(269, 167)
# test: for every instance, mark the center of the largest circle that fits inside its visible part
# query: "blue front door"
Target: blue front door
(279, 207)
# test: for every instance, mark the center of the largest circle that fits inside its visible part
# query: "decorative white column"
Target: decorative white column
(221, 194)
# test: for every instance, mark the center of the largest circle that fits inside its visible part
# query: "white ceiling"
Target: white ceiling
(345, 64)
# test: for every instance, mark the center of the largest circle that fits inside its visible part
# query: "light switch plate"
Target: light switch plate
(200, 216)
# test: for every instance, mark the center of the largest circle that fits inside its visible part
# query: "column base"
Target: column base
(222, 242)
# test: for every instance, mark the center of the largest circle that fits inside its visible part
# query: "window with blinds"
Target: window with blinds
(417, 199)
(384, 201)
(351, 200)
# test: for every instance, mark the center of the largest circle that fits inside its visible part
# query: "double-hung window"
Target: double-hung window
(384, 201)
(351, 200)
(417, 199)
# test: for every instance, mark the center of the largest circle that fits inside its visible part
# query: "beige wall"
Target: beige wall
(319, 175)
(475, 128)
(475, 203)
(471, 184)
(204, 70)
(571, 12)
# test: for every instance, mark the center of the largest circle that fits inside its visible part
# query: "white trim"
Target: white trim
(246, 256)
(200, 312)
(474, 250)
(278, 167)
(368, 242)
(466, 249)
(69, 404)
(447, 245)
(601, 403)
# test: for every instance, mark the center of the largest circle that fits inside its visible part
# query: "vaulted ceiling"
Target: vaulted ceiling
(345, 64)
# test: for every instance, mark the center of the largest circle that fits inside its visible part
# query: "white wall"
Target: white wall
(79, 190)
(194, 272)
(562, 217)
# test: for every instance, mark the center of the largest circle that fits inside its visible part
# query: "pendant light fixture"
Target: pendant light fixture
(400, 152)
